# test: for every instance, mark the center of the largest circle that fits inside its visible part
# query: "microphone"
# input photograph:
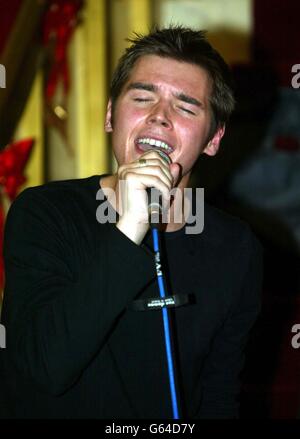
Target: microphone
(155, 198)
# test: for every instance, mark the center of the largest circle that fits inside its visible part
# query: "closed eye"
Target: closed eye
(141, 99)
(187, 111)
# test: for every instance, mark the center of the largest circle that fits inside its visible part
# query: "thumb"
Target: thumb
(175, 172)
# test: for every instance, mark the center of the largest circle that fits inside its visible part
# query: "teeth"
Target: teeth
(156, 143)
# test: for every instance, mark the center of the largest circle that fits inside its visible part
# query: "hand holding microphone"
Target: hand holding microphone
(152, 170)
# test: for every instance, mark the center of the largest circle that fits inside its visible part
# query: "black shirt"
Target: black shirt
(76, 349)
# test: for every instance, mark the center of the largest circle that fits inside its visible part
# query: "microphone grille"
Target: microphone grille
(165, 157)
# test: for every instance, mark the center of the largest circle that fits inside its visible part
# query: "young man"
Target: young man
(76, 345)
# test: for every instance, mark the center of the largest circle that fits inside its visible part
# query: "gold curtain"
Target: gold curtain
(31, 125)
(89, 91)
(140, 16)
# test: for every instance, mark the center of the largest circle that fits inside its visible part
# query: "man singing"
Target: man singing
(76, 345)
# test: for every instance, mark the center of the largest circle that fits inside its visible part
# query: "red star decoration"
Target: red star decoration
(13, 160)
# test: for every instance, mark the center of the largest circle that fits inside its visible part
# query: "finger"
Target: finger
(156, 154)
(140, 162)
(143, 181)
(154, 171)
(155, 163)
(152, 165)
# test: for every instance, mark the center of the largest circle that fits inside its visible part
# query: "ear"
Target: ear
(108, 124)
(213, 145)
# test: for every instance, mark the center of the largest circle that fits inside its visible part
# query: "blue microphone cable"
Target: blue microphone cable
(161, 286)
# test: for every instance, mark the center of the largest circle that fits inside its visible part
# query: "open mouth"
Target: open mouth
(146, 143)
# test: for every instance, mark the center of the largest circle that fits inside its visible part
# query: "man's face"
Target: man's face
(167, 101)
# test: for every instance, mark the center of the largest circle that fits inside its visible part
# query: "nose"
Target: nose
(160, 115)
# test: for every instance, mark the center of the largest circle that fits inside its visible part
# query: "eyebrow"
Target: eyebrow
(151, 87)
(142, 86)
(189, 100)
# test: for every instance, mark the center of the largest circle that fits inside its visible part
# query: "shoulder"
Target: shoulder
(223, 228)
(226, 238)
(59, 195)
(53, 207)
(57, 190)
